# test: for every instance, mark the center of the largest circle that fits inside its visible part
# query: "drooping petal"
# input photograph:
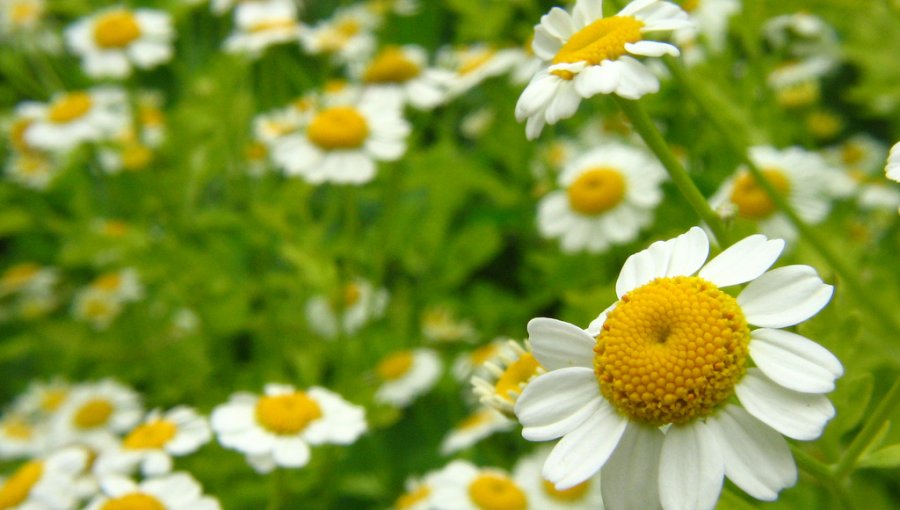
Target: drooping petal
(743, 261)
(558, 402)
(784, 296)
(557, 344)
(797, 415)
(794, 361)
(630, 477)
(691, 469)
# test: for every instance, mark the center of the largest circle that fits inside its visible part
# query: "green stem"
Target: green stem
(874, 424)
(735, 501)
(813, 467)
(654, 140)
(277, 490)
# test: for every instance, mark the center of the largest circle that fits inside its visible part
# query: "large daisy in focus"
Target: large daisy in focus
(607, 196)
(645, 394)
(587, 54)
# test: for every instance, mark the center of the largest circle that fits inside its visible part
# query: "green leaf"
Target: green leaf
(885, 458)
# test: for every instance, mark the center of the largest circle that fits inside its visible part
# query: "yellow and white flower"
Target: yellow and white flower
(647, 388)
(403, 70)
(472, 362)
(346, 36)
(341, 142)
(467, 66)
(504, 377)
(113, 40)
(76, 117)
(405, 375)
(29, 278)
(607, 197)
(440, 325)
(419, 494)
(587, 54)
(177, 491)
(260, 24)
(42, 399)
(20, 437)
(710, 25)
(357, 304)
(475, 427)
(803, 178)
(861, 157)
(543, 495)
(23, 26)
(277, 428)
(33, 170)
(463, 486)
(801, 35)
(95, 413)
(45, 484)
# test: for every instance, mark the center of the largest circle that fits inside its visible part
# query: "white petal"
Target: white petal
(797, 415)
(555, 403)
(582, 452)
(757, 459)
(558, 344)
(564, 103)
(537, 94)
(558, 23)
(743, 261)
(794, 361)
(601, 79)
(630, 476)
(587, 11)
(784, 296)
(691, 470)
(291, 452)
(651, 49)
(680, 256)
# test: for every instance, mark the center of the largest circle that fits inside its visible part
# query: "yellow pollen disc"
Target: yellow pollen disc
(690, 5)
(410, 499)
(824, 125)
(98, 308)
(391, 66)
(799, 95)
(25, 13)
(280, 24)
(18, 429)
(17, 134)
(53, 399)
(136, 156)
(134, 501)
(516, 374)
(70, 107)
(603, 39)
(108, 282)
(338, 127)
(287, 414)
(352, 293)
(395, 366)
(751, 200)
(93, 413)
(150, 435)
(20, 274)
(116, 29)
(471, 63)
(496, 492)
(150, 116)
(335, 86)
(596, 191)
(671, 351)
(18, 486)
(568, 495)
(480, 355)
(852, 154)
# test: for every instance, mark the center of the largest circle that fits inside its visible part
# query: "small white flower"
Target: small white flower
(543, 495)
(347, 36)
(466, 67)
(33, 170)
(472, 362)
(358, 303)
(20, 437)
(504, 376)
(76, 117)
(403, 70)
(475, 427)
(405, 375)
(261, 24)
(440, 325)
(463, 486)
(45, 484)
(95, 413)
(177, 491)
(419, 494)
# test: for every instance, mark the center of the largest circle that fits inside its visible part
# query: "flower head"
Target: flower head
(405, 375)
(177, 491)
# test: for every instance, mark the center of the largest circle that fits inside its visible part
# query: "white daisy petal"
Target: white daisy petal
(660, 259)
(555, 403)
(691, 469)
(587, 11)
(291, 452)
(784, 296)
(557, 344)
(743, 261)
(651, 49)
(794, 361)
(797, 415)
(629, 478)
(558, 23)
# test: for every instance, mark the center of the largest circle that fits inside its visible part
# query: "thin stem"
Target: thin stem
(813, 467)
(654, 140)
(874, 424)
(277, 490)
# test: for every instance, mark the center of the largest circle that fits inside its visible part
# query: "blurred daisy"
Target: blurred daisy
(42, 399)
(803, 178)
(477, 123)
(271, 127)
(419, 494)
(801, 35)
(94, 413)
(403, 70)
(277, 429)
(97, 307)
(177, 491)
(607, 197)
(635, 393)
(19, 437)
(23, 26)
(475, 427)
(342, 142)
(32, 170)
(346, 36)
(543, 495)
(892, 168)
(129, 155)
(113, 40)
(123, 285)
(463, 486)
(76, 117)
(504, 377)
(587, 54)
(28, 277)
(440, 324)
(861, 157)
(152, 443)
(472, 362)
(45, 484)
(358, 303)
(405, 375)
(797, 83)
(468, 66)
(709, 20)
(398, 7)
(261, 24)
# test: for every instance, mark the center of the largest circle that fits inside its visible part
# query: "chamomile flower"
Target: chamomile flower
(28, 277)
(403, 70)
(42, 399)
(467, 66)
(76, 117)
(177, 491)
(405, 375)
(641, 391)
(23, 26)
(861, 157)
(124, 285)
(796, 83)
(94, 413)
(34, 170)
(419, 494)
(277, 428)
(440, 325)
(113, 40)
(607, 196)
(463, 486)
(20, 437)
(801, 35)
(892, 167)
(358, 302)
(342, 142)
(96, 307)
(710, 25)
(261, 24)
(48, 483)
(472, 362)
(803, 178)
(480, 424)
(587, 54)
(346, 37)
(543, 495)
(128, 155)
(504, 377)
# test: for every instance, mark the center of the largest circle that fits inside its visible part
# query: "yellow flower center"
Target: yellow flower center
(690, 5)
(33, 164)
(18, 429)
(516, 374)
(491, 491)
(20, 274)
(603, 39)
(115, 228)
(256, 151)
(25, 13)
(471, 63)
(751, 200)
(98, 308)
(337, 37)
(596, 191)
(395, 366)
(151, 435)
(17, 134)
(852, 154)
(338, 127)
(287, 414)
(108, 282)
(18, 486)
(671, 350)
(474, 420)
(149, 115)
(52, 399)
(70, 107)
(93, 413)
(824, 124)
(799, 95)
(391, 66)
(134, 501)
(136, 156)
(116, 29)
(277, 24)
(571, 494)
(410, 499)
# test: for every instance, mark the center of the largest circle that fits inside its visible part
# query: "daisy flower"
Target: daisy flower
(504, 377)
(75, 117)
(177, 491)
(544, 495)
(472, 362)
(710, 24)
(123, 285)
(42, 399)
(33, 170)
(403, 70)
(96, 307)
(277, 428)
(45, 484)
(346, 36)
(805, 179)
(113, 40)
(463, 486)
(475, 427)
(19, 437)
(95, 413)
(28, 277)
(796, 83)
(587, 54)
(405, 375)
(419, 494)
(861, 157)
(647, 388)
(23, 26)
(129, 155)
(892, 168)
(607, 197)
(801, 34)
(440, 325)
(358, 303)
(261, 24)
(468, 66)
(341, 143)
